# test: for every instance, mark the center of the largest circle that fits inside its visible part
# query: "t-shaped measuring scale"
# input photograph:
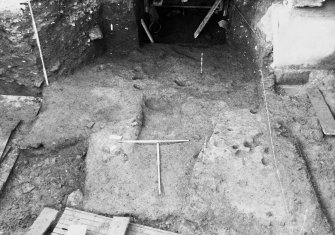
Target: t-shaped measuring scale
(157, 142)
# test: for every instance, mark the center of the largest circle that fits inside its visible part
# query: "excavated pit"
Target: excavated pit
(224, 181)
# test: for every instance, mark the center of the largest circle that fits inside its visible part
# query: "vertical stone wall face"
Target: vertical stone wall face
(64, 31)
(63, 28)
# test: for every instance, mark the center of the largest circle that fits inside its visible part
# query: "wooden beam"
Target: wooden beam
(207, 17)
(101, 225)
(322, 111)
(136, 229)
(5, 135)
(225, 8)
(7, 165)
(77, 229)
(147, 31)
(119, 225)
(43, 222)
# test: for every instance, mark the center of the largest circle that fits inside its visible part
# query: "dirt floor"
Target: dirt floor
(223, 181)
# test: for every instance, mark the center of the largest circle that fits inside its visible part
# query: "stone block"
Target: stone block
(291, 77)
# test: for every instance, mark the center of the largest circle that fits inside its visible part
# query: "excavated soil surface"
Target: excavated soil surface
(223, 181)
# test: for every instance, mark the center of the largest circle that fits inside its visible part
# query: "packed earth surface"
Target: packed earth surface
(256, 161)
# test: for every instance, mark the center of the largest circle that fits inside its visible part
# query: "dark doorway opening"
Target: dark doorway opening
(175, 22)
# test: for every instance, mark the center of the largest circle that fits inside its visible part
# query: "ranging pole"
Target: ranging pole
(38, 42)
(157, 142)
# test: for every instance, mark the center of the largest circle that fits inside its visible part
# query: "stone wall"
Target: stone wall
(64, 31)
(63, 28)
(302, 39)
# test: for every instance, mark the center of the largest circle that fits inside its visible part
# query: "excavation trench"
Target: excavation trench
(223, 181)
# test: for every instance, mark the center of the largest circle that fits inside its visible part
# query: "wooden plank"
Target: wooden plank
(43, 222)
(102, 225)
(7, 165)
(119, 225)
(77, 230)
(322, 111)
(147, 31)
(225, 9)
(85, 215)
(207, 17)
(96, 224)
(136, 229)
(5, 135)
(60, 231)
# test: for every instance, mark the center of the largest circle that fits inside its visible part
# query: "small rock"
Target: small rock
(114, 150)
(106, 149)
(125, 157)
(134, 123)
(196, 137)
(265, 161)
(75, 199)
(55, 67)
(2, 71)
(101, 67)
(90, 124)
(269, 214)
(136, 77)
(38, 83)
(137, 87)
(254, 110)
(223, 24)
(27, 188)
(95, 33)
(180, 83)
(47, 161)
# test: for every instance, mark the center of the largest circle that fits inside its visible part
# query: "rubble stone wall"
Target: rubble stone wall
(64, 31)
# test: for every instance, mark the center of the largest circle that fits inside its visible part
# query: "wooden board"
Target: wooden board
(77, 229)
(101, 225)
(5, 135)
(322, 111)
(7, 165)
(207, 17)
(13, 109)
(136, 229)
(119, 225)
(43, 222)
